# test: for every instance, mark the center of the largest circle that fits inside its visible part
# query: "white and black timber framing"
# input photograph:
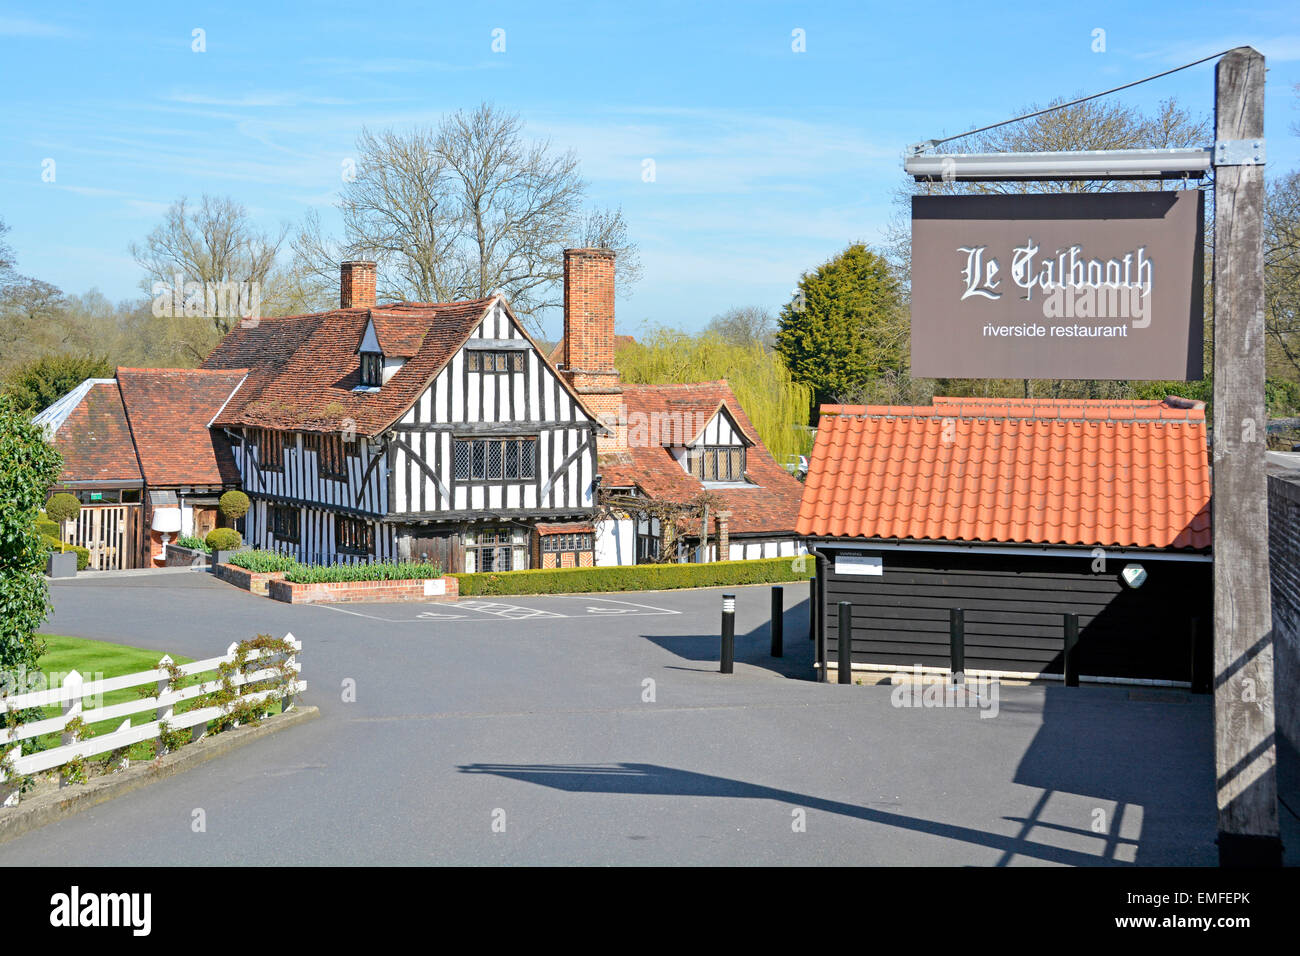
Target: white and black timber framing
(405, 478)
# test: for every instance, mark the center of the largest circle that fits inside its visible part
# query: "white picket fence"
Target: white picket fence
(74, 689)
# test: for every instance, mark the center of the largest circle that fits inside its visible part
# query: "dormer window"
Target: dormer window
(722, 464)
(372, 369)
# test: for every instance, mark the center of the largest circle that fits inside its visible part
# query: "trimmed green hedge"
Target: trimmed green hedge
(83, 554)
(223, 539)
(639, 577)
(46, 526)
(263, 562)
(380, 571)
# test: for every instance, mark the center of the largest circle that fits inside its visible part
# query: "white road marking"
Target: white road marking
(497, 611)
(641, 609)
(513, 612)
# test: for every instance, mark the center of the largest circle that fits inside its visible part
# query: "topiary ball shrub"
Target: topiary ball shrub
(223, 539)
(233, 504)
(62, 507)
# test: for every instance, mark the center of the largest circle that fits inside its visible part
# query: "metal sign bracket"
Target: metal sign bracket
(1239, 152)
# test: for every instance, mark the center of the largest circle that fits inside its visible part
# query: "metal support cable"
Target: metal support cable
(929, 144)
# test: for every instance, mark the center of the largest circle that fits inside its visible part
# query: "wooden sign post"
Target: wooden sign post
(1245, 751)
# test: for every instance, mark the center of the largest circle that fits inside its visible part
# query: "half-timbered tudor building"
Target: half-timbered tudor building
(692, 444)
(432, 431)
(404, 431)
(668, 450)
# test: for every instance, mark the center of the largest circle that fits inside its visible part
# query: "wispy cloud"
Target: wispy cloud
(718, 151)
(397, 65)
(16, 27)
(1283, 48)
(266, 98)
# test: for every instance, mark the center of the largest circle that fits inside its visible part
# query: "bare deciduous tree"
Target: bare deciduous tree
(212, 242)
(1282, 269)
(744, 325)
(463, 210)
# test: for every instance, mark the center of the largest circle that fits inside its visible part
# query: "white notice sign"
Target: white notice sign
(434, 587)
(859, 564)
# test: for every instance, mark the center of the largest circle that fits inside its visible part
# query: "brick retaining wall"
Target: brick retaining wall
(364, 592)
(254, 583)
(178, 557)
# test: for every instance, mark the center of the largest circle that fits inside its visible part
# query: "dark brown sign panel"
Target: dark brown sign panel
(1069, 285)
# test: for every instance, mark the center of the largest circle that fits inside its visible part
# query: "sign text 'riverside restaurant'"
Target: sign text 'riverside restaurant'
(1069, 285)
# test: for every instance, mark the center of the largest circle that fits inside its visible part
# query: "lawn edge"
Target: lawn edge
(49, 808)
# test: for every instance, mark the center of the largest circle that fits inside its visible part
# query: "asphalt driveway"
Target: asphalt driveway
(596, 729)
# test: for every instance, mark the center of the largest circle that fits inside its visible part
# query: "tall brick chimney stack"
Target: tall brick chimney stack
(588, 360)
(356, 285)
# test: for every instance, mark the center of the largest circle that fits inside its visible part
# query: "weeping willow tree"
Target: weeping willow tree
(776, 404)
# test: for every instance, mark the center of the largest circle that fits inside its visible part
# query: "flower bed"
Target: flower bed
(376, 571)
(445, 588)
(263, 562)
(255, 582)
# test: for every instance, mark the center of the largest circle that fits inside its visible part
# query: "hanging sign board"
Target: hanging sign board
(1059, 286)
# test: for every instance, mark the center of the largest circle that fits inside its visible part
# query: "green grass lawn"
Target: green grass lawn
(96, 660)
(99, 660)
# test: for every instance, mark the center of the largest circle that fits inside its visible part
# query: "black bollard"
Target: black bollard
(957, 641)
(844, 666)
(728, 634)
(778, 621)
(1071, 650)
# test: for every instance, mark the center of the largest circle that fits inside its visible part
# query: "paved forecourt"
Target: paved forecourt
(596, 729)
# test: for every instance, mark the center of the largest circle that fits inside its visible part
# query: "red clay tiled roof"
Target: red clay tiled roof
(768, 506)
(1119, 474)
(564, 527)
(303, 369)
(95, 440)
(168, 410)
(400, 332)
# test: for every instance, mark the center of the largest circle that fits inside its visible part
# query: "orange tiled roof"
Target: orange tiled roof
(169, 410)
(767, 506)
(1038, 471)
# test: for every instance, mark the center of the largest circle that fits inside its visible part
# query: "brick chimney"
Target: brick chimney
(588, 358)
(724, 535)
(356, 285)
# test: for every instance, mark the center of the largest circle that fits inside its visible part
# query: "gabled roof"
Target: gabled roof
(168, 410)
(303, 369)
(770, 504)
(400, 331)
(720, 409)
(1038, 471)
(88, 428)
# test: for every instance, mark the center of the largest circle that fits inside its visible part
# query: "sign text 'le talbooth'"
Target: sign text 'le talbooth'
(1061, 286)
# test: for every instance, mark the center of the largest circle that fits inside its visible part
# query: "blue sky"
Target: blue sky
(767, 161)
